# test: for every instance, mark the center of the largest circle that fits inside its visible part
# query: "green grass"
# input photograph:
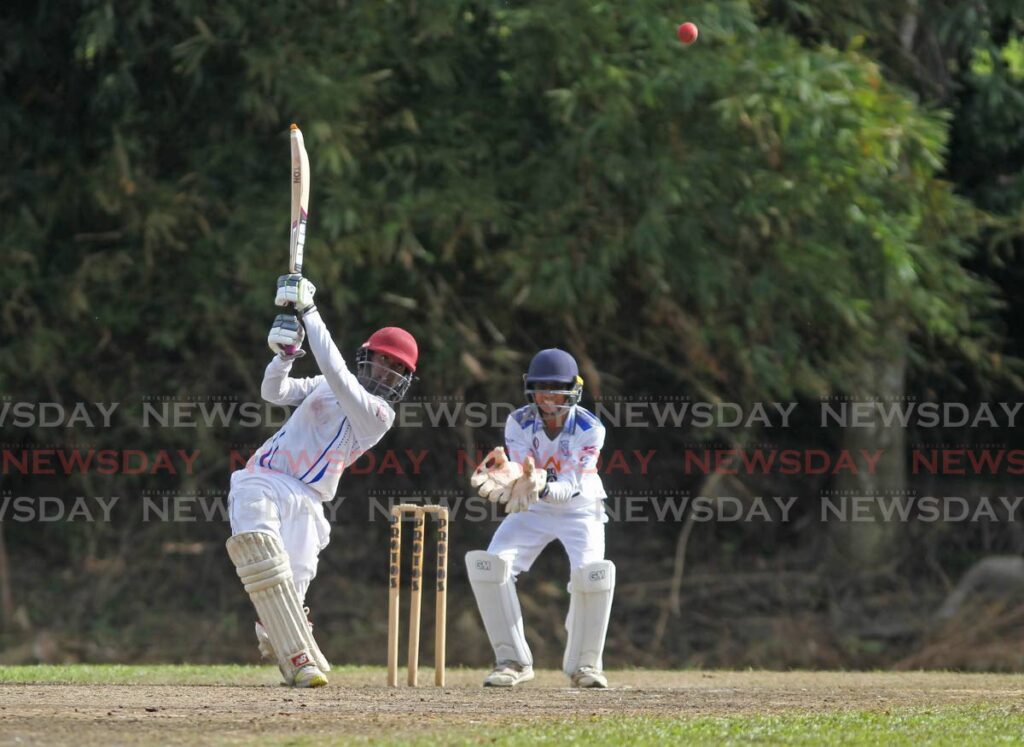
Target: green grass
(978, 725)
(953, 726)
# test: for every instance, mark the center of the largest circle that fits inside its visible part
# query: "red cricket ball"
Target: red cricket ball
(687, 33)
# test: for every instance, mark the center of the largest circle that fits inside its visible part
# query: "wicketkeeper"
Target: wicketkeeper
(276, 501)
(549, 484)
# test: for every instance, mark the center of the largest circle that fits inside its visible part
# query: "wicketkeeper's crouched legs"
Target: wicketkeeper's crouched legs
(265, 570)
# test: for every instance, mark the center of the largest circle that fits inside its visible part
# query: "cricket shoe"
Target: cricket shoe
(589, 677)
(309, 676)
(508, 674)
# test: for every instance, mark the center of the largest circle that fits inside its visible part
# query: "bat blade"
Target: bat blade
(300, 200)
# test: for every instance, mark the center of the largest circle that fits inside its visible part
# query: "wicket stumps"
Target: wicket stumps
(415, 592)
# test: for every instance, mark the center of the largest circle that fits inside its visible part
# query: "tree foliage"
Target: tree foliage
(746, 212)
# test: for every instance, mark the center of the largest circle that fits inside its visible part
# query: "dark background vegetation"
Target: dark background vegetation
(811, 202)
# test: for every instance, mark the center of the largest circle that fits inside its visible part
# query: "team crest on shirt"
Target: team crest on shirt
(553, 466)
(536, 443)
(563, 447)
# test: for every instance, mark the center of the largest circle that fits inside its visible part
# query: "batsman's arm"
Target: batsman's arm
(279, 388)
(370, 416)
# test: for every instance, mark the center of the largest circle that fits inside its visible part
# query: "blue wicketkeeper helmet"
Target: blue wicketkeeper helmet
(553, 366)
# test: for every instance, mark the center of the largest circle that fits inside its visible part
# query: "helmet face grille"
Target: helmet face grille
(382, 381)
(572, 391)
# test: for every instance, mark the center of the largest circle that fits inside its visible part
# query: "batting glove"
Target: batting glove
(286, 336)
(294, 290)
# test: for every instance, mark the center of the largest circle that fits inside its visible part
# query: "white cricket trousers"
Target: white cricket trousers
(265, 501)
(521, 537)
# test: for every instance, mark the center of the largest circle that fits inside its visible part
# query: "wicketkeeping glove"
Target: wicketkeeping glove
(494, 477)
(527, 488)
(294, 290)
(286, 336)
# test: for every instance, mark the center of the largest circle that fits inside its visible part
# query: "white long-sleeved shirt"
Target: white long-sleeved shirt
(570, 459)
(335, 421)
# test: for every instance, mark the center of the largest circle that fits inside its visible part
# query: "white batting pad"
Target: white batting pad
(264, 568)
(590, 605)
(495, 592)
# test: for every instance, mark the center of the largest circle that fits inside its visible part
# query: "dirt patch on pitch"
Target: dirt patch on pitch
(358, 706)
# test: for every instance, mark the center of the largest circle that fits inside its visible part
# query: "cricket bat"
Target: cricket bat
(300, 200)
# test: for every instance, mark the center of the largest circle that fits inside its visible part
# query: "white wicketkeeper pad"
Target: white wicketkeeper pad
(263, 566)
(590, 605)
(491, 579)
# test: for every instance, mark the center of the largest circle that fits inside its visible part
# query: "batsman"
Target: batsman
(276, 502)
(549, 485)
